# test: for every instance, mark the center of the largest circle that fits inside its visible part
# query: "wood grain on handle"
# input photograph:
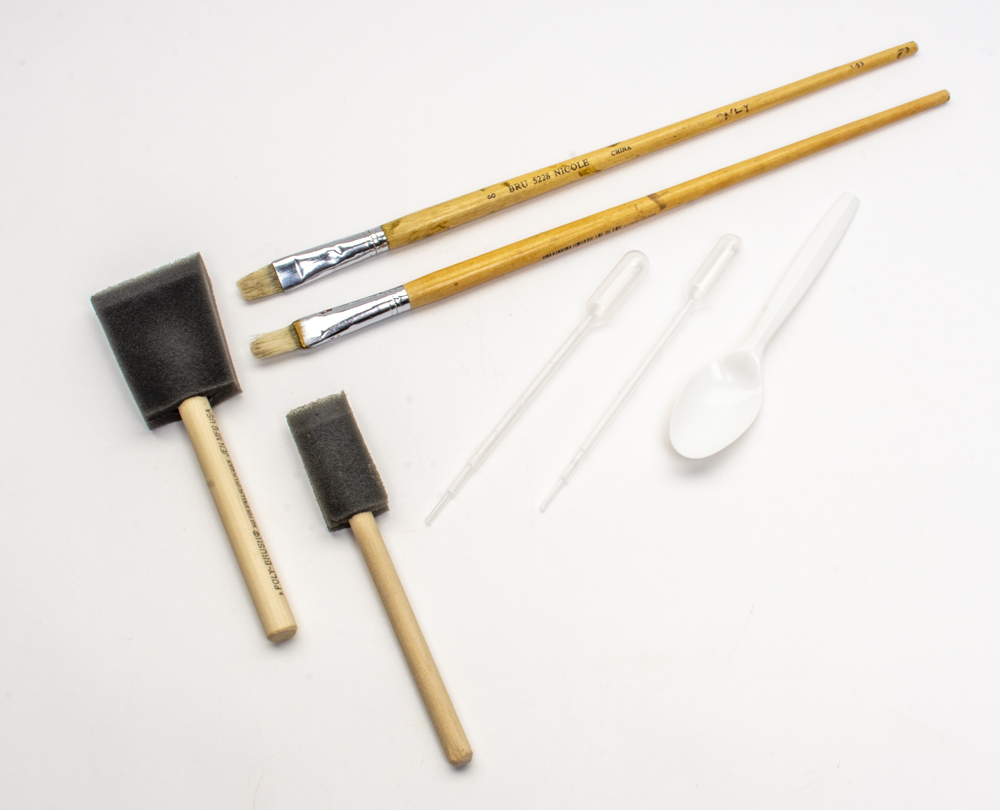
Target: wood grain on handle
(244, 536)
(451, 280)
(468, 207)
(418, 655)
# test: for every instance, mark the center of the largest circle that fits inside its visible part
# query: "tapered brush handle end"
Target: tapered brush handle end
(411, 639)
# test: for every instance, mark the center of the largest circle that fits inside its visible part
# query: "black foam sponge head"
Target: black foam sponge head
(341, 471)
(165, 331)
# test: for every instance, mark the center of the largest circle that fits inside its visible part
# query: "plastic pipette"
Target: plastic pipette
(698, 288)
(600, 307)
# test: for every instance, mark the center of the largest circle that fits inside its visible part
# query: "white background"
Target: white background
(808, 619)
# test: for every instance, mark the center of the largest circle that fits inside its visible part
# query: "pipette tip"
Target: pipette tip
(437, 509)
(551, 496)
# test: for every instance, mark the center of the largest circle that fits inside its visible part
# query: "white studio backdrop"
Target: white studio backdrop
(808, 619)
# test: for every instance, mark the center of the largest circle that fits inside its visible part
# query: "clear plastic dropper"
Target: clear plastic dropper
(600, 307)
(698, 288)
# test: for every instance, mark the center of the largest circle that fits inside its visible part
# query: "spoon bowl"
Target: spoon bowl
(721, 401)
(717, 405)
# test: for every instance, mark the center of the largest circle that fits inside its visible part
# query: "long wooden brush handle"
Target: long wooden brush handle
(462, 276)
(418, 655)
(468, 207)
(244, 536)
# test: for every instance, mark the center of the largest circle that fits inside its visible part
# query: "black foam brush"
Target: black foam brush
(349, 491)
(165, 331)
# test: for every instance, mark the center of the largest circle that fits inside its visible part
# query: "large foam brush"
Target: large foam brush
(350, 493)
(165, 332)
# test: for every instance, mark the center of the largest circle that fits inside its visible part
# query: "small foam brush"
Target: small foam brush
(165, 332)
(350, 493)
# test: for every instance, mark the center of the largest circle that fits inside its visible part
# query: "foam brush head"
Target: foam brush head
(340, 469)
(165, 331)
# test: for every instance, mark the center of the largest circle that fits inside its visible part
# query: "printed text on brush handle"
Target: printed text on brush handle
(264, 556)
(468, 207)
(241, 528)
(472, 272)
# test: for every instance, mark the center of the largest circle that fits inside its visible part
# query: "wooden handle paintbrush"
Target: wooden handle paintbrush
(292, 271)
(165, 331)
(350, 492)
(322, 327)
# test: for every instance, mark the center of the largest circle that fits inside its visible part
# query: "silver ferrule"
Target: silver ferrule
(339, 321)
(312, 264)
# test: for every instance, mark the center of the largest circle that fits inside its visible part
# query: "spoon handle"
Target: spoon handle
(811, 259)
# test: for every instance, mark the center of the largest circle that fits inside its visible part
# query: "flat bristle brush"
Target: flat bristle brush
(329, 324)
(287, 273)
(350, 493)
(165, 331)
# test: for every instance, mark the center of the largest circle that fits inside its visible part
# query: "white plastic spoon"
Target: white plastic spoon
(720, 402)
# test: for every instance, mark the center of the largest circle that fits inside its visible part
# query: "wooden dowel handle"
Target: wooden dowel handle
(441, 217)
(418, 655)
(244, 536)
(451, 280)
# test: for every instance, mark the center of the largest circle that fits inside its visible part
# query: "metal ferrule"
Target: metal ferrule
(312, 264)
(339, 321)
